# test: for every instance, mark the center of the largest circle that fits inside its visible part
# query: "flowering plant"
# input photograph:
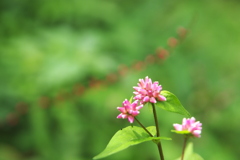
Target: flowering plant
(152, 93)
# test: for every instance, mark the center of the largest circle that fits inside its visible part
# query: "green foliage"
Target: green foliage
(172, 104)
(127, 137)
(40, 132)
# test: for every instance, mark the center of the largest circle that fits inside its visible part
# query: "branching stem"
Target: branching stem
(143, 127)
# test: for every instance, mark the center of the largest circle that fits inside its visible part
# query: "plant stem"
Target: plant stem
(158, 132)
(184, 146)
(143, 126)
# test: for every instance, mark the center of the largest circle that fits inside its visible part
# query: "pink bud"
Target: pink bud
(129, 110)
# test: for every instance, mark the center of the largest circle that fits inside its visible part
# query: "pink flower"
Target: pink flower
(129, 110)
(148, 91)
(191, 126)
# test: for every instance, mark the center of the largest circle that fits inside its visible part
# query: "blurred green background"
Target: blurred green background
(66, 65)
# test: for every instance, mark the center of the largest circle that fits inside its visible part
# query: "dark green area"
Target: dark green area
(49, 49)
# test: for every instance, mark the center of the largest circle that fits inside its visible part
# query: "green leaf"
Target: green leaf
(181, 132)
(189, 154)
(127, 137)
(172, 104)
(195, 156)
(131, 99)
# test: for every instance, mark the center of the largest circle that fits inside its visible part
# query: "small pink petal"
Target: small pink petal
(161, 98)
(153, 100)
(130, 119)
(138, 97)
(121, 109)
(146, 99)
(136, 88)
(178, 127)
(136, 93)
(124, 116)
(119, 116)
(139, 107)
(135, 113)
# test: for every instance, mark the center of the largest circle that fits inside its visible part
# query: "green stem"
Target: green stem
(184, 146)
(158, 132)
(143, 126)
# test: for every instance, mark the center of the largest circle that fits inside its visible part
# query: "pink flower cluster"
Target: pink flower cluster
(145, 92)
(148, 91)
(190, 125)
(129, 110)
